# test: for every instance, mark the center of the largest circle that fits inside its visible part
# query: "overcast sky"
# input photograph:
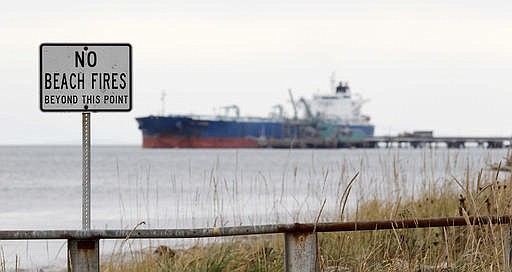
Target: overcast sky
(440, 65)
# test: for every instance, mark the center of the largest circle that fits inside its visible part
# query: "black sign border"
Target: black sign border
(83, 44)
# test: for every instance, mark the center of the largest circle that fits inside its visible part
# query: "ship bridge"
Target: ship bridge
(341, 106)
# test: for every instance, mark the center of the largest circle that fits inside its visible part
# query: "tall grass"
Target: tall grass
(465, 248)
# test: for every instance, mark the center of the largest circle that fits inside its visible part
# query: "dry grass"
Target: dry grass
(255, 254)
(468, 248)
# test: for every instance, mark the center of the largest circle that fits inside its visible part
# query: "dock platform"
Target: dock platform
(450, 142)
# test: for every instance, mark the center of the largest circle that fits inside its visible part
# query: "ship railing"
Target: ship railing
(300, 240)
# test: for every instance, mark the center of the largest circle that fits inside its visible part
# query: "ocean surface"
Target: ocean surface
(40, 188)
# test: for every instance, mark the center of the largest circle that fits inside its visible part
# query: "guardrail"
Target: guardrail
(300, 251)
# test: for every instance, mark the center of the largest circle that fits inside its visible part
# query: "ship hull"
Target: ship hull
(196, 142)
(188, 132)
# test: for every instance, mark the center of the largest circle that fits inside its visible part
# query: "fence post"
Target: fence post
(301, 252)
(83, 255)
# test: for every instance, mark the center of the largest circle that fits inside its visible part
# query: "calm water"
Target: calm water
(40, 187)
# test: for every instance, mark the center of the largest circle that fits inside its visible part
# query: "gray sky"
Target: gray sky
(441, 65)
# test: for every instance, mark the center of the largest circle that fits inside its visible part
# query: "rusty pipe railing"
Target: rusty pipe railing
(257, 229)
(300, 239)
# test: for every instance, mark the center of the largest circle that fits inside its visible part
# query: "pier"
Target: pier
(388, 142)
(449, 142)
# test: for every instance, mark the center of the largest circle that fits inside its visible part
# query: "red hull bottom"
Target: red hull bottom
(163, 142)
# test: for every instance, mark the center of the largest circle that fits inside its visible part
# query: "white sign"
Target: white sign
(85, 77)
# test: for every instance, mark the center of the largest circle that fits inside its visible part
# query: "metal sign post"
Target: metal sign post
(86, 170)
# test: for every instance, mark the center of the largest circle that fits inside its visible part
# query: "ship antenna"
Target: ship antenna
(293, 104)
(162, 100)
(333, 81)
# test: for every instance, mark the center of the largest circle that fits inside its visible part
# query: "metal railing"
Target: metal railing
(301, 246)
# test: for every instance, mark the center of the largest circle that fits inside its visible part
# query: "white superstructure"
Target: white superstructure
(341, 106)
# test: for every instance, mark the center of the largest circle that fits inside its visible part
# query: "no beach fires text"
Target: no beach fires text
(95, 77)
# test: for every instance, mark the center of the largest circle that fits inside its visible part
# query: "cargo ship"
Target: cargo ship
(325, 121)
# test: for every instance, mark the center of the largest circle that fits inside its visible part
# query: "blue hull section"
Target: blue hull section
(183, 131)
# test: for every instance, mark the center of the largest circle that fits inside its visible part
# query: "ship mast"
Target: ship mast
(162, 100)
(333, 82)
